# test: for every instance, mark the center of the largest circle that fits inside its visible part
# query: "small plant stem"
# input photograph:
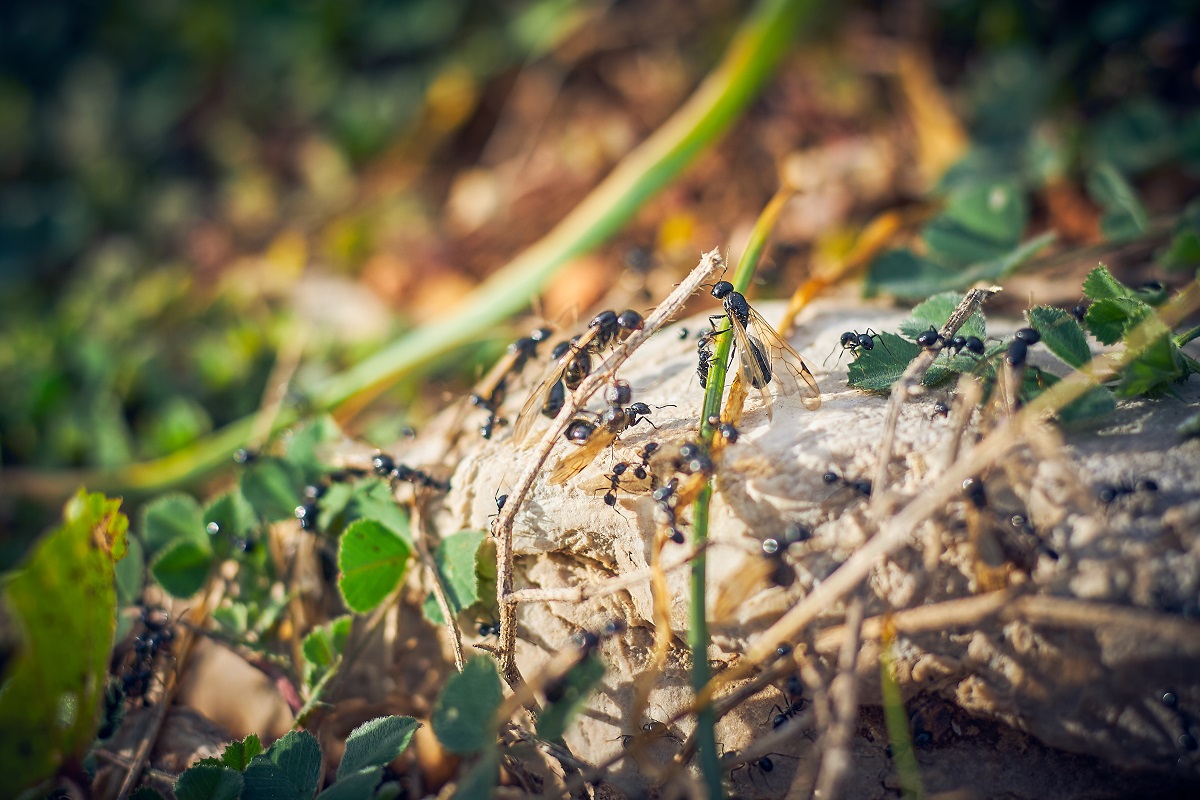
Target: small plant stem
(1187, 336)
(896, 719)
(710, 763)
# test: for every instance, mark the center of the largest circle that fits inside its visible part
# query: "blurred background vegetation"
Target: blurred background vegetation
(195, 193)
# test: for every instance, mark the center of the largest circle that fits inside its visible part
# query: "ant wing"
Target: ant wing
(537, 400)
(790, 371)
(490, 382)
(574, 463)
(754, 368)
(628, 482)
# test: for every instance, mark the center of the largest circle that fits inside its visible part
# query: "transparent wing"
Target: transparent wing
(754, 365)
(790, 371)
(486, 387)
(628, 483)
(585, 454)
(533, 405)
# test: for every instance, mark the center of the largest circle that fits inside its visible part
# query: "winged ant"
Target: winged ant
(764, 355)
(573, 364)
(491, 390)
(593, 435)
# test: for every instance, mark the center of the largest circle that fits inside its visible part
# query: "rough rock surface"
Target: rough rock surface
(1054, 707)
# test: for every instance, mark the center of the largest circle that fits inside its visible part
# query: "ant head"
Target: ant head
(722, 289)
(605, 319)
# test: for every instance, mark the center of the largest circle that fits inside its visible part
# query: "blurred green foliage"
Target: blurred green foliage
(132, 129)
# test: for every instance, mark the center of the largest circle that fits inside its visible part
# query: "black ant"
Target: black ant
(704, 357)
(245, 456)
(592, 436)
(940, 409)
(501, 499)
(487, 629)
(307, 512)
(764, 764)
(972, 344)
(930, 339)
(856, 342)
(1109, 493)
(1079, 312)
(664, 497)
(385, 466)
(862, 485)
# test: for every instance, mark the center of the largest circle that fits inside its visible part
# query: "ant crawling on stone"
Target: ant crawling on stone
(764, 764)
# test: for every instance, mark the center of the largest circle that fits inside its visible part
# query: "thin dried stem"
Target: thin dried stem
(835, 761)
(589, 591)
(709, 264)
(439, 588)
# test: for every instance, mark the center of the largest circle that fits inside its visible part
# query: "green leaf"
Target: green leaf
(464, 713)
(1157, 367)
(577, 684)
(182, 569)
(1096, 403)
(1124, 215)
(373, 560)
(1101, 285)
(290, 768)
(376, 743)
(209, 782)
(936, 310)
(324, 645)
(355, 786)
(146, 793)
(904, 275)
(232, 515)
(272, 487)
(131, 573)
(876, 370)
(456, 559)
(1061, 334)
(171, 518)
(1110, 320)
(481, 779)
(238, 754)
(62, 603)
(268, 781)
(981, 221)
(373, 498)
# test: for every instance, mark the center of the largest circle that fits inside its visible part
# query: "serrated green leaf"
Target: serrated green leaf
(182, 569)
(1157, 367)
(290, 768)
(577, 685)
(481, 780)
(1101, 285)
(170, 518)
(376, 743)
(355, 786)
(1110, 320)
(1124, 215)
(232, 515)
(272, 487)
(936, 310)
(1061, 334)
(62, 602)
(373, 560)
(462, 717)
(209, 782)
(876, 370)
(238, 754)
(265, 780)
(456, 559)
